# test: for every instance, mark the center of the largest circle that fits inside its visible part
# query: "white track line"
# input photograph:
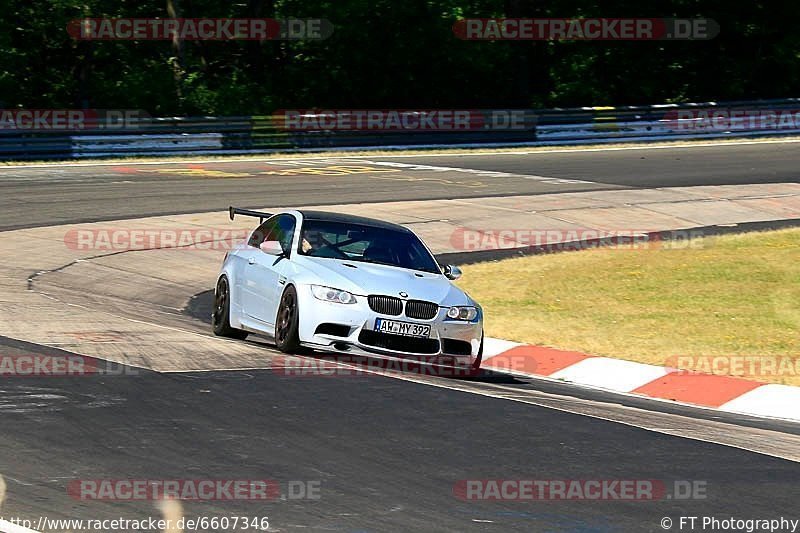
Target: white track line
(533, 401)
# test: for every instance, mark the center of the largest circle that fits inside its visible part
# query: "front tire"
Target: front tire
(476, 366)
(220, 317)
(287, 338)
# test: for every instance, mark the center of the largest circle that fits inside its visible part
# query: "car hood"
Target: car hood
(368, 278)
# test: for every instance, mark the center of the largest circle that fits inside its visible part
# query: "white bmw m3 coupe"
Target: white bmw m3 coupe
(345, 284)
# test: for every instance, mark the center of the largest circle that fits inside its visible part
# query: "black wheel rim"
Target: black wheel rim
(285, 316)
(220, 301)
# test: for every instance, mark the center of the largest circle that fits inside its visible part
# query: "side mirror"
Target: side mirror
(271, 247)
(451, 272)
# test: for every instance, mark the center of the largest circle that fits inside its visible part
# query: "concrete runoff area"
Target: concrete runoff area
(72, 287)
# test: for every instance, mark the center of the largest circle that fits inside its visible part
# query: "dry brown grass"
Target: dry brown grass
(739, 295)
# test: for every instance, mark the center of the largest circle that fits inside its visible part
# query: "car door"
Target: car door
(252, 277)
(264, 273)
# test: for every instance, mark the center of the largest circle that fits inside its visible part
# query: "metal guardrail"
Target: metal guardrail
(267, 134)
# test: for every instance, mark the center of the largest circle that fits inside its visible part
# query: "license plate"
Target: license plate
(407, 329)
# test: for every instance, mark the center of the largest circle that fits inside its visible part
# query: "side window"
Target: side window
(279, 228)
(284, 232)
(264, 230)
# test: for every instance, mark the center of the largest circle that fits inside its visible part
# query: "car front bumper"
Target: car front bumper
(450, 341)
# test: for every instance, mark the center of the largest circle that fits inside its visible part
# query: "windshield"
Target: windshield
(366, 244)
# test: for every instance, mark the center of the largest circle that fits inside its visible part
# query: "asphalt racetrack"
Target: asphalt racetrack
(49, 195)
(386, 454)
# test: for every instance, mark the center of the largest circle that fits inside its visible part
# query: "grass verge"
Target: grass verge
(729, 303)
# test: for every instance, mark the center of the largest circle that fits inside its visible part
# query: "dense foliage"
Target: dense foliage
(391, 54)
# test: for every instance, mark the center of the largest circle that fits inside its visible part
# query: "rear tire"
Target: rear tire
(220, 317)
(287, 322)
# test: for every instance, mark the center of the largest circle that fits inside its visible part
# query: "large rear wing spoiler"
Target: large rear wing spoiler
(233, 211)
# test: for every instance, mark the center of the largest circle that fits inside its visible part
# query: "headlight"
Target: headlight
(328, 294)
(467, 314)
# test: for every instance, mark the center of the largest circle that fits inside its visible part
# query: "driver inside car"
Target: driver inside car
(312, 241)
